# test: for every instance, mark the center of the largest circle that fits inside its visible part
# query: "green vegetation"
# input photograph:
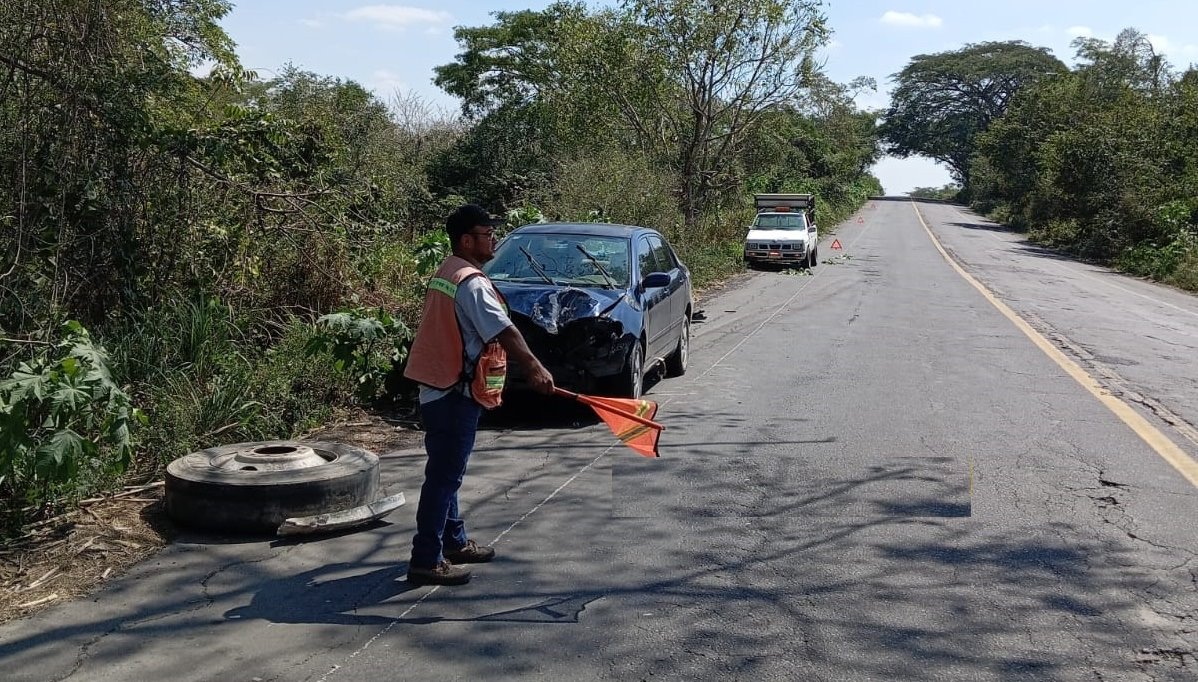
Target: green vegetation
(943, 101)
(949, 192)
(189, 261)
(1100, 161)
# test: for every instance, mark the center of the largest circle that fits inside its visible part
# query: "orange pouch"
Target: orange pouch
(490, 374)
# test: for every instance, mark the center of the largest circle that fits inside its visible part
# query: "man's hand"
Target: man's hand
(540, 378)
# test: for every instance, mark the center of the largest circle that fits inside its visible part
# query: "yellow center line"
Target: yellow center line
(1158, 441)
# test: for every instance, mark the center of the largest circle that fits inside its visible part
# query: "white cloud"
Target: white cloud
(869, 100)
(385, 82)
(909, 20)
(397, 16)
(312, 23)
(1161, 44)
(1164, 46)
(1080, 32)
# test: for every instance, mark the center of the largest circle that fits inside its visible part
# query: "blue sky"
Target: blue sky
(386, 46)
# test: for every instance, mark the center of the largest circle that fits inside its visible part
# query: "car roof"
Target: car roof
(589, 229)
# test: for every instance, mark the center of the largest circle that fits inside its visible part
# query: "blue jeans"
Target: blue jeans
(449, 427)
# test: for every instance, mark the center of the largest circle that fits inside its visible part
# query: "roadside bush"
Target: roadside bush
(365, 346)
(248, 394)
(611, 186)
(1056, 233)
(65, 425)
(1150, 260)
(1186, 274)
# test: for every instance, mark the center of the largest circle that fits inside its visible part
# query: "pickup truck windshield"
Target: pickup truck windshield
(780, 221)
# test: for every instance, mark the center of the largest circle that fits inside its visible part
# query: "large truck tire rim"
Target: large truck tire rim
(254, 487)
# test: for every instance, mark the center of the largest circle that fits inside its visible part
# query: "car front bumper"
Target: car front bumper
(776, 255)
(586, 352)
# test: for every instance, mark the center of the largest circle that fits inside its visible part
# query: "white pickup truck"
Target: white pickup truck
(783, 231)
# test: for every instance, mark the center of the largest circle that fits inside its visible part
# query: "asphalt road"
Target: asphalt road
(869, 474)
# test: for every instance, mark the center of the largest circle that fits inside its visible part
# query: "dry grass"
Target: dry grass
(73, 554)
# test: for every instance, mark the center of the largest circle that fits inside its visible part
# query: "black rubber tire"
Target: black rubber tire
(813, 259)
(678, 360)
(202, 496)
(628, 384)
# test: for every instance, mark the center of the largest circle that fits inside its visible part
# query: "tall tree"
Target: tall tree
(712, 69)
(943, 101)
(687, 80)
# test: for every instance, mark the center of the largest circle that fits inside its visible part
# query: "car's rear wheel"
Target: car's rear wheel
(676, 363)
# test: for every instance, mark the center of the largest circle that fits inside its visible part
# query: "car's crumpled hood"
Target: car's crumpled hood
(777, 235)
(551, 307)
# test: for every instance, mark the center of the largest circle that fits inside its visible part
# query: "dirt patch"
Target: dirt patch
(376, 432)
(74, 554)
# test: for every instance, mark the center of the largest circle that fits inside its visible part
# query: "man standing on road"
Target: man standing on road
(459, 359)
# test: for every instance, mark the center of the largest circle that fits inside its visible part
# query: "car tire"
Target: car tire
(677, 362)
(630, 383)
(200, 494)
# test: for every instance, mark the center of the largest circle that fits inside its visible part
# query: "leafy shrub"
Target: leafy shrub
(365, 346)
(432, 248)
(1150, 260)
(1186, 274)
(60, 412)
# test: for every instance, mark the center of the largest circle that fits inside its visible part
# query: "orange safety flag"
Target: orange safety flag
(631, 420)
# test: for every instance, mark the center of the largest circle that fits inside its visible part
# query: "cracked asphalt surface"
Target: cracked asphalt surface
(868, 474)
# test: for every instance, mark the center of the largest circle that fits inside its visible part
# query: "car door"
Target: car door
(679, 289)
(655, 301)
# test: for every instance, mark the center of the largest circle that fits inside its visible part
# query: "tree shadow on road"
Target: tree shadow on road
(812, 573)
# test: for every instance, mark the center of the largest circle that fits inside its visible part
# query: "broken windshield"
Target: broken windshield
(581, 260)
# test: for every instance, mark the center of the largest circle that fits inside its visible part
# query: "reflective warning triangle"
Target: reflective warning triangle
(836, 244)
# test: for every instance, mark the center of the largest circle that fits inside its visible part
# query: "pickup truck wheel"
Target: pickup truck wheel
(676, 363)
(813, 257)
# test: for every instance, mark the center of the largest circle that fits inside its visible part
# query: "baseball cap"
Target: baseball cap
(468, 216)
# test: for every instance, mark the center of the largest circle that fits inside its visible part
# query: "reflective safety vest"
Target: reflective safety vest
(437, 357)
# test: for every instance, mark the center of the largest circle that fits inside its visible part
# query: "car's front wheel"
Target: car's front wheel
(676, 363)
(630, 383)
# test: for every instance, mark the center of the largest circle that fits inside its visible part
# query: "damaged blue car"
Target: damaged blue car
(600, 305)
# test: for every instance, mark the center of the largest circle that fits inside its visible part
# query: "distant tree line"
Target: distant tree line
(1100, 160)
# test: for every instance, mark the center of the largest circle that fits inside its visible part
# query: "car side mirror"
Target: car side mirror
(656, 280)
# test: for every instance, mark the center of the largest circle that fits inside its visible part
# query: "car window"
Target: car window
(646, 258)
(662, 254)
(559, 257)
(781, 221)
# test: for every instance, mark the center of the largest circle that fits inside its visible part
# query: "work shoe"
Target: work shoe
(443, 573)
(470, 553)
